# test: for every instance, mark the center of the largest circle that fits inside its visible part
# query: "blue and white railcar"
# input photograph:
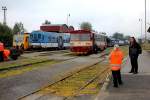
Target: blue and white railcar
(40, 39)
(66, 38)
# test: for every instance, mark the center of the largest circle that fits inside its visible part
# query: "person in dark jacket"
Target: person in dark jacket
(134, 51)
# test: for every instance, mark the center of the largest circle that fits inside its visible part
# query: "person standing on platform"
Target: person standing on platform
(134, 51)
(116, 57)
(1, 51)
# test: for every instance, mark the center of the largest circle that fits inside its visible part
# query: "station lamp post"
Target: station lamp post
(4, 9)
(145, 22)
(141, 21)
(68, 16)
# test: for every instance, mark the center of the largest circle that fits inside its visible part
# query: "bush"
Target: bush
(6, 35)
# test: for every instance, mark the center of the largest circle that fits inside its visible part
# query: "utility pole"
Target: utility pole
(68, 19)
(4, 9)
(140, 20)
(145, 22)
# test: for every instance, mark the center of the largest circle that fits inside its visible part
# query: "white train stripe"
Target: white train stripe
(66, 44)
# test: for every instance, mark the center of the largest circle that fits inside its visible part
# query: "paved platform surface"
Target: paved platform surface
(135, 87)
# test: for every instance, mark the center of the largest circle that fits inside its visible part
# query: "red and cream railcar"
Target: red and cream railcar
(84, 42)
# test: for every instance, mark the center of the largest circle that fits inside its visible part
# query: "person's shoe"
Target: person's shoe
(130, 72)
(135, 73)
(121, 83)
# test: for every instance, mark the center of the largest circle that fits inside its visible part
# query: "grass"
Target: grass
(146, 46)
(71, 85)
(20, 62)
(124, 49)
(19, 71)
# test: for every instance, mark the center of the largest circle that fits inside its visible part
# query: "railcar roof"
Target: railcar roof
(80, 31)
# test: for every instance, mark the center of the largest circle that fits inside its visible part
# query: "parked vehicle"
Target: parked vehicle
(84, 42)
(21, 41)
(41, 39)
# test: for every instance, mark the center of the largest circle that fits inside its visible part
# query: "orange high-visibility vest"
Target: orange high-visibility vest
(116, 58)
(6, 54)
(1, 46)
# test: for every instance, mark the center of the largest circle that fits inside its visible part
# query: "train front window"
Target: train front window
(81, 37)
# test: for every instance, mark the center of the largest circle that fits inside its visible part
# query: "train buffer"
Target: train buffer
(135, 87)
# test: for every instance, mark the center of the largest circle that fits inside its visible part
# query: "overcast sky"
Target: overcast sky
(105, 15)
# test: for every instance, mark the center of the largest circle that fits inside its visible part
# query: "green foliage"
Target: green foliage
(118, 36)
(127, 37)
(6, 35)
(86, 26)
(18, 27)
(46, 22)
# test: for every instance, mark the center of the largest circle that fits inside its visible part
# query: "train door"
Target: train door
(60, 42)
(95, 45)
(26, 42)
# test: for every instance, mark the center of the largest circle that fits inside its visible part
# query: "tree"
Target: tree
(47, 22)
(127, 37)
(6, 35)
(118, 36)
(18, 27)
(86, 26)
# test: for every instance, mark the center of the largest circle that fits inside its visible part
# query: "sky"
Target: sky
(108, 16)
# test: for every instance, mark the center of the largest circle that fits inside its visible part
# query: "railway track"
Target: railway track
(29, 64)
(40, 62)
(52, 51)
(101, 74)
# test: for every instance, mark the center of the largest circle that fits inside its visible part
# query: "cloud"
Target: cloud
(105, 15)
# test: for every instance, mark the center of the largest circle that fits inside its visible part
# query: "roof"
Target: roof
(60, 28)
(80, 31)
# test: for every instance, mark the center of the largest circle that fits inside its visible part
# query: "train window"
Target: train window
(82, 37)
(49, 38)
(43, 37)
(75, 37)
(35, 36)
(54, 39)
(39, 36)
(85, 37)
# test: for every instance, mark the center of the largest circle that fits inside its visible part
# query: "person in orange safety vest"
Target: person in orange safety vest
(116, 57)
(1, 51)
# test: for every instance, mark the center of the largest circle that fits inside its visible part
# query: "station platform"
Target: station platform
(135, 87)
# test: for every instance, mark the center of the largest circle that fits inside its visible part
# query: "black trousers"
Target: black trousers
(134, 63)
(1, 56)
(116, 77)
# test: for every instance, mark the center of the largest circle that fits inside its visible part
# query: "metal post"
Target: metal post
(68, 19)
(141, 26)
(4, 9)
(145, 22)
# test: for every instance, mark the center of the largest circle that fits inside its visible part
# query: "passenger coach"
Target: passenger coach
(84, 42)
(41, 39)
